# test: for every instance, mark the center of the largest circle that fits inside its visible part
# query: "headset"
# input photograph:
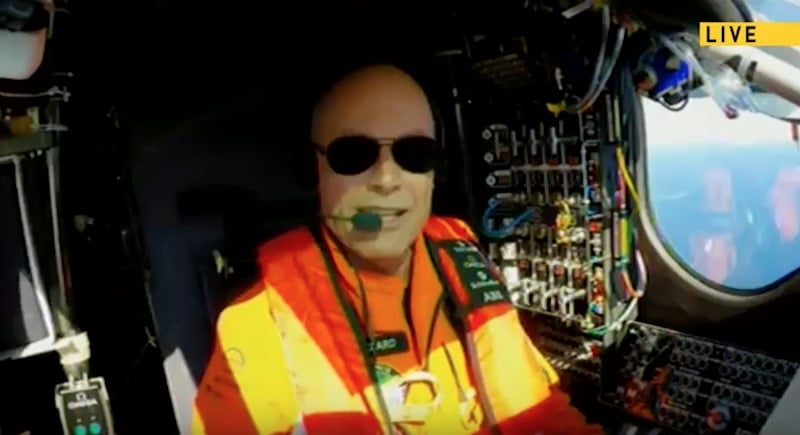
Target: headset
(304, 168)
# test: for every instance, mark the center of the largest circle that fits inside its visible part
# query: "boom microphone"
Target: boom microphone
(362, 221)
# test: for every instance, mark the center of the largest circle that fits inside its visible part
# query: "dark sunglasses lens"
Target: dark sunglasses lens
(352, 155)
(416, 154)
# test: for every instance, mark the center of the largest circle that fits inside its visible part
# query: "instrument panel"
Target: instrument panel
(692, 384)
(684, 383)
(544, 215)
(557, 216)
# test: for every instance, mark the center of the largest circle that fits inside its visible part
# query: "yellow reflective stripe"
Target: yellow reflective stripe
(459, 412)
(515, 380)
(252, 347)
(317, 385)
(550, 372)
(198, 427)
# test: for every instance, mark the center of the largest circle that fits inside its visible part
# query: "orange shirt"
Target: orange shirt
(305, 368)
(410, 312)
(407, 321)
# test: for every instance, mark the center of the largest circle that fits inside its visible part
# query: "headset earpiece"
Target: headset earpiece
(304, 166)
(440, 172)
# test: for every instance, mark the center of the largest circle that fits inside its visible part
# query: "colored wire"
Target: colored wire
(622, 278)
(508, 230)
(623, 168)
(599, 63)
(609, 69)
(604, 65)
(623, 318)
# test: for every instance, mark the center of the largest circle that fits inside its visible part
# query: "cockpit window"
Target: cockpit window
(725, 194)
(775, 10)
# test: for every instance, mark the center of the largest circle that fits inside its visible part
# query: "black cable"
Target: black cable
(23, 15)
(677, 107)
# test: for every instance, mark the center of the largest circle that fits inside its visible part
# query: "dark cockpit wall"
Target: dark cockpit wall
(680, 298)
(195, 188)
(211, 169)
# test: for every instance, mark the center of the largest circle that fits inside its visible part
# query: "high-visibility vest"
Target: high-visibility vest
(288, 360)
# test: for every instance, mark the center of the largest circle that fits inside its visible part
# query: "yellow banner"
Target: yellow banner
(761, 34)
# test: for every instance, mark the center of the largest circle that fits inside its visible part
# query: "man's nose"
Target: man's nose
(386, 173)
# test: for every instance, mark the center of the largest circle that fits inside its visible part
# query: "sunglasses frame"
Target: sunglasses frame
(380, 143)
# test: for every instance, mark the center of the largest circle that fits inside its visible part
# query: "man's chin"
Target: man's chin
(381, 247)
(378, 251)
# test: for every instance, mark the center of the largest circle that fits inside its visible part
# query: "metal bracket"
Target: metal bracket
(75, 353)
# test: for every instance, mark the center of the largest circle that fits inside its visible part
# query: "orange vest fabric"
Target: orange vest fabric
(317, 348)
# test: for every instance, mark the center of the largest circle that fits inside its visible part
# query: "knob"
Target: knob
(718, 418)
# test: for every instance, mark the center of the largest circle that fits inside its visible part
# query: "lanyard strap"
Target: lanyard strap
(458, 319)
(361, 337)
(355, 326)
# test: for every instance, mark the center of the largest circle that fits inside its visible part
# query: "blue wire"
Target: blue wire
(507, 231)
(609, 165)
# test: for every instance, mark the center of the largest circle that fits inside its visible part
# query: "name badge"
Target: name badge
(388, 343)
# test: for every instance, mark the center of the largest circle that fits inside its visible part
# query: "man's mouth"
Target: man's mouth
(383, 212)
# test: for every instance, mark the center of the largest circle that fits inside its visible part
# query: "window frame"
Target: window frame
(691, 282)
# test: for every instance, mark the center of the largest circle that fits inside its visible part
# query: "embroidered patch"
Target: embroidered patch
(476, 275)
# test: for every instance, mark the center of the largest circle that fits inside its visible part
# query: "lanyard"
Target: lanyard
(466, 342)
(355, 326)
(363, 331)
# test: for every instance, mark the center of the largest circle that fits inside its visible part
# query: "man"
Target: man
(381, 319)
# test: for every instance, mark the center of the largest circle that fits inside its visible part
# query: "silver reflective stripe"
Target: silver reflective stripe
(299, 427)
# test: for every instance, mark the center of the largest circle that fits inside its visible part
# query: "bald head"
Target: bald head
(381, 105)
(379, 101)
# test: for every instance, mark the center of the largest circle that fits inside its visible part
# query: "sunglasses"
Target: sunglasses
(353, 155)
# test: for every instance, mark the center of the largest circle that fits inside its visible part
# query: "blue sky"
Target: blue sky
(777, 10)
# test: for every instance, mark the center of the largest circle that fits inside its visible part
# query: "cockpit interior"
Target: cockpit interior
(639, 192)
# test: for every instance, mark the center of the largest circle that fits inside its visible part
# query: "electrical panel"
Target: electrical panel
(568, 351)
(691, 384)
(556, 218)
(555, 201)
(551, 153)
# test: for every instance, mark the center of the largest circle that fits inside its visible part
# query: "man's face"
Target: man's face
(385, 106)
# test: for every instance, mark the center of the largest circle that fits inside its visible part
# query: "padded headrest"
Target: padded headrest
(22, 53)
